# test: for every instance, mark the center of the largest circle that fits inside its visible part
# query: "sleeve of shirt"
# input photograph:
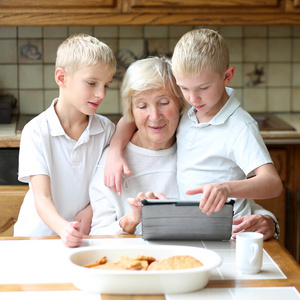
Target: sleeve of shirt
(249, 149)
(104, 220)
(104, 204)
(32, 159)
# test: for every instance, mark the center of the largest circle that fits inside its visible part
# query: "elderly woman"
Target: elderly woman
(150, 98)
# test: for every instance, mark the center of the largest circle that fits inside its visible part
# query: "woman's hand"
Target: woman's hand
(134, 216)
(254, 223)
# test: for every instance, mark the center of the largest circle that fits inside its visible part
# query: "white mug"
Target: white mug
(249, 252)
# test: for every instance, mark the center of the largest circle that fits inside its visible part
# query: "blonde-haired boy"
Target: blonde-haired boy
(219, 144)
(61, 147)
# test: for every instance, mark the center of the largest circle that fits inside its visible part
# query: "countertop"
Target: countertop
(284, 137)
(278, 278)
(10, 134)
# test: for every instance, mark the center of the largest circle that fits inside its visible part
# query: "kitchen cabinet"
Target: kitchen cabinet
(286, 207)
(204, 6)
(293, 6)
(278, 205)
(103, 6)
(11, 198)
(148, 12)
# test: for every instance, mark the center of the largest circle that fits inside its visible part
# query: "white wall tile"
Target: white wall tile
(9, 76)
(50, 49)
(30, 51)
(279, 99)
(133, 48)
(279, 75)
(131, 31)
(158, 45)
(296, 74)
(156, 31)
(296, 31)
(113, 44)
(8, 32)
(81, 29)
(280, 31)
(31, 76)
(8, 51)
(296, 99)
(274, 48)
(237, 80)
(296, 50)
(250, 74)
(255, 50)
(101, 32)
(235, 47)
(178, 31)
(172, 44)
(32, 101)
(231, 31)
(279, 50)
(30, 32)
(55, 32)
(50, 95)
(49, 81)
(110, 105)
(239, 95)
(255, 31)
(255, 99)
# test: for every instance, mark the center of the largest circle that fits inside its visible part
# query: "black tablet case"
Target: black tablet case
(183, 220)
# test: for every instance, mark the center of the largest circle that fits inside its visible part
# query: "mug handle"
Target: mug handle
(255, 251)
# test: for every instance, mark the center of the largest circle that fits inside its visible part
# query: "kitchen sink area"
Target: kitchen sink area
(271, 122)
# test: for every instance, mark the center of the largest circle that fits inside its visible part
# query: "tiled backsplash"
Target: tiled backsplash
(266, 58)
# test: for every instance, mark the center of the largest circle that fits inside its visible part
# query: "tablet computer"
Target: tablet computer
(174, 219)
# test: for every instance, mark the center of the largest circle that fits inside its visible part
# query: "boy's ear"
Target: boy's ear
(228, 75)
(60, 77)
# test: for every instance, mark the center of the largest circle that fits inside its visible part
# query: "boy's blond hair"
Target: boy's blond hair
(200, 49)
(148, 74)
(82, 50)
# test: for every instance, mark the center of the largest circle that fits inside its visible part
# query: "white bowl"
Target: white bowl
(141, 282)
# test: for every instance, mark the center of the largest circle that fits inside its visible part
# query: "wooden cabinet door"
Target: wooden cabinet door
(11, 199)
(278, 207)
(280, 160)
(53, 4)
(293, 6)
(56, 6)
(201, 6)
(197, 3)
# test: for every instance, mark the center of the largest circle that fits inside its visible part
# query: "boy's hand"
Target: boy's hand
(115, 166)
(214, 196)
(254, 223)
(84, 217)
(71, 235)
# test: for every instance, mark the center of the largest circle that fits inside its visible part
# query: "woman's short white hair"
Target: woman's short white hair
(147, 74)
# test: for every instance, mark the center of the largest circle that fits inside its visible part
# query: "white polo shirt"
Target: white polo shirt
(227, 148)
(46, 149)
(152, 170)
